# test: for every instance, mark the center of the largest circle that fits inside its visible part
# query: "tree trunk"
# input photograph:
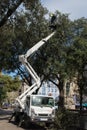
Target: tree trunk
(61, 99)
(61, 96)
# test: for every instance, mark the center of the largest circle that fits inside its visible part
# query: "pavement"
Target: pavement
(5, 125)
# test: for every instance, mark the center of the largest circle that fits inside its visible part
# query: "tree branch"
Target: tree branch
(10, 11)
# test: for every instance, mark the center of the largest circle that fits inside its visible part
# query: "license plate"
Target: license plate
(43, 119)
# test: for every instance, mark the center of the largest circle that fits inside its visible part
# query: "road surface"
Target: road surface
(5, 125)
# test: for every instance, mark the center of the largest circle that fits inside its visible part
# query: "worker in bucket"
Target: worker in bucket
(53, 22)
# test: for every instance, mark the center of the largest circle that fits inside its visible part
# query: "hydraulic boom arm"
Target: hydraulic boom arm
(23, 59)
(36, 79)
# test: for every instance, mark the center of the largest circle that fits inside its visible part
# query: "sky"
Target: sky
(75, 8)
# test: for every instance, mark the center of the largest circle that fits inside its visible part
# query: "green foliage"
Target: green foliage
(23, 30)
(3, 94)
(65, 119)
(9, 83)
(77, 51)
(9, 7)
(51, 57)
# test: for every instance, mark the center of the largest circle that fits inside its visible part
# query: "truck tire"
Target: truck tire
(47, 124)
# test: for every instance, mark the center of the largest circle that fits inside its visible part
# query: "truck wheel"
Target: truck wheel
(47, 124)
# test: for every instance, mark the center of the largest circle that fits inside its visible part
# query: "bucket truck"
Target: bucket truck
(34, 107)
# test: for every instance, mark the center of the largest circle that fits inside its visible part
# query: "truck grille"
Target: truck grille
(43, 114)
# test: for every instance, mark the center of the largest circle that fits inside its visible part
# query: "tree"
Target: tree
(14, 34)
(50, 59)
(17, 37)
(3, 95)
(76, 54)
(8, 84)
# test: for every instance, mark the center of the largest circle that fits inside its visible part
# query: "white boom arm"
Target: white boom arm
(23, 59)
(38, 45)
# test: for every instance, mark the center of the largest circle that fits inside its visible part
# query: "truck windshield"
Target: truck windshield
(42, 101)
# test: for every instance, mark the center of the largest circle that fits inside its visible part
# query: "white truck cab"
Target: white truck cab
(40, 108)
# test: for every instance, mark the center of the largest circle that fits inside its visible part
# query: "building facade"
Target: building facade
(48, 88)
(70, 94)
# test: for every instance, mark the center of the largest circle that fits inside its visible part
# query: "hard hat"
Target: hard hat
(51, 14)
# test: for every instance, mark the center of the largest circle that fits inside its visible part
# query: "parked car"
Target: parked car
(5, 105)
(84, 106)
